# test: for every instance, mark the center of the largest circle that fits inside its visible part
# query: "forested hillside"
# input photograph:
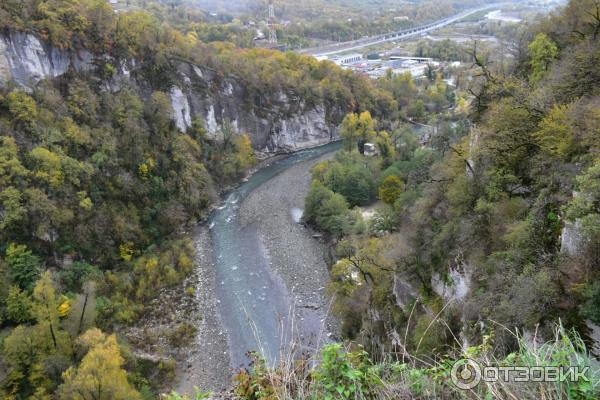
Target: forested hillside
(486, 232)
(483, 234)
(485, 239)
(97, 182)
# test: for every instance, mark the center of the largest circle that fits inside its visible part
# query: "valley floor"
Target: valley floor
(297, 258)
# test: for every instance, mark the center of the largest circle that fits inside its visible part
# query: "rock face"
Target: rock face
(181, 108)
(572, 238)
(26, 60)
(458, 286)
(595, 336)
(275, 122)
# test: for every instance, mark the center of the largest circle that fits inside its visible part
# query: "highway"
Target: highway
(388, 37)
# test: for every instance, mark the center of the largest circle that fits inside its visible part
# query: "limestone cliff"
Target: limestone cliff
(281, 124)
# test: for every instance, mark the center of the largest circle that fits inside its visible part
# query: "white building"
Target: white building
(349, 59)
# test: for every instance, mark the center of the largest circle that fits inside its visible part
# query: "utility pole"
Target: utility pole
(271, 23)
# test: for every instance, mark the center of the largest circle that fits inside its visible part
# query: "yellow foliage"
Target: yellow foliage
(22, 106)
(100, 376)
(556, 135)
(245, 152)
(319, 170)
(65, 308)
(391, 189)
(152, 266)
(171, 276)
(84, 201)
(145, 168)
(192, 38)
(49, 166)
(126, 251)
(185, 263)
(74, 133)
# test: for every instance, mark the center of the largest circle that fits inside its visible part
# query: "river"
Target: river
(254, 301)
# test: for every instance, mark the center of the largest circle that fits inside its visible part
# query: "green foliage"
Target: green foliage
(182, 335)
(74, 275)
(344, 375)
(11, 168)
(22, 107)
(343, 20)
(492, 201)
(556, 135)
(444, 50)
(543, 51)
(352, 180)
(357, 129)
(328, 211)
(18, 305)
(24, 267)
(591, 306)
(587, 201)
(104, 178)
(122, 294)
(384, 220)
(14, 212)
(386, 147)
(254, 384)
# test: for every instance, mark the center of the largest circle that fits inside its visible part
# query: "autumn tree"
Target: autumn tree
(45, 309)
(23, 108)
(100, 376)
(391, 189)
(385, 147)
(556, 135)
(357, 129)
(22, 350)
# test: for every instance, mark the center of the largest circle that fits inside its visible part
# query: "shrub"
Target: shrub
(391, 189)
(345, 375)
(24, 267)
(182, 335)
(18, 305)
(74, 275)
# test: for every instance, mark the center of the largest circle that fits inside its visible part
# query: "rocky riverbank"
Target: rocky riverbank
(294, 256)
(206, 365)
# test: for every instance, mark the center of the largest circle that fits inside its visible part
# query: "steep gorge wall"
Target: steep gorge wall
(285, 124)
(25, 60)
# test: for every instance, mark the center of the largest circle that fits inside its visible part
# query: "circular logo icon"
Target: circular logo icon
(466, 374)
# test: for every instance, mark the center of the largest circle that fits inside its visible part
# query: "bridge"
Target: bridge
(341, 47)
